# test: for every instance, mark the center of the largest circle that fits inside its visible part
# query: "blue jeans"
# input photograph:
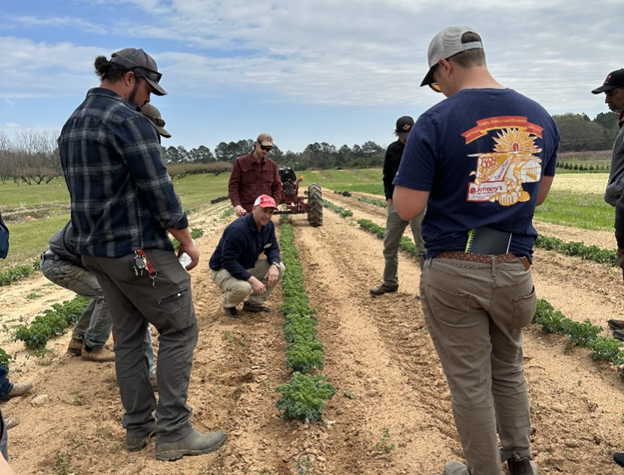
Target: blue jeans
(5, 385)
(95, 323)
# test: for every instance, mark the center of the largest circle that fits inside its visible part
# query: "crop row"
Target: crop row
(304, 396)
(583, 334)
(373, 201)
(578, 249)
(52, 322)
(345, 213)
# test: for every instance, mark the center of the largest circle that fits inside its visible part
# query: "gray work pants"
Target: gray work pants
(475, 313)
(395, 227)
(166, 302)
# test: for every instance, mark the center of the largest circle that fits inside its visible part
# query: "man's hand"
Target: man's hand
(239, 211)
(272, 275)
(620, 254)
(193, 252)
(257, 286)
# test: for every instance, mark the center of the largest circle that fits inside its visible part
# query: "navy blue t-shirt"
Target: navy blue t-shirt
(481, 154)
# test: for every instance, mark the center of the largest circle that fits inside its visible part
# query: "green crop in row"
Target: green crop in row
(373, 201)
(341, 211)
(578, 249)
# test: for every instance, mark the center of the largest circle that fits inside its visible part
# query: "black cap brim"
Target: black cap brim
(429, 77)
(156, 88)
(604, 88)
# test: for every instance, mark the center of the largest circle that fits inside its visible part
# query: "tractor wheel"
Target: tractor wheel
(315, 200)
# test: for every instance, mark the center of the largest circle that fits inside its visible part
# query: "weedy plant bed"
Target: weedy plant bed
(406, 243)
(17, 273)
(373, 201)
(305, 395)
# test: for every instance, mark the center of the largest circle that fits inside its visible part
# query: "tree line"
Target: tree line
(31, 157)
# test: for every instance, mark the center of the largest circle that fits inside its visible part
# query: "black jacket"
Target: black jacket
(391, 166)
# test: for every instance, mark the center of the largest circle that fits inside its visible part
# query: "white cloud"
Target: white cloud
(327, 52)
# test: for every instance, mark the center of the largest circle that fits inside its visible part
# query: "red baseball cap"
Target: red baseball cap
(265, 201)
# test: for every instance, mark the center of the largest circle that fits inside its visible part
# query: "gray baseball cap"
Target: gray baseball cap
(445, 44)
(132, 58)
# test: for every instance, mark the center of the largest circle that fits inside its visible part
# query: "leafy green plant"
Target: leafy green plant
(305, 354)
(578, 249)
(384, 445)
(304, 467)
(53, 322)
(341, 211)
(406, 244)
(304, 396)
(17, 273)
(5, 358)
(373, 201)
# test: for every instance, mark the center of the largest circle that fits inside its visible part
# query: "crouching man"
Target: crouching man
(235, 264)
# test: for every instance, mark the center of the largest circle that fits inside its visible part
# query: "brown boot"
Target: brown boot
(19, 389)
(101, 355)
(75, 346)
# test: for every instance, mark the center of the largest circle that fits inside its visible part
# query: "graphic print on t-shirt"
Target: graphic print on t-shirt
(500, 174)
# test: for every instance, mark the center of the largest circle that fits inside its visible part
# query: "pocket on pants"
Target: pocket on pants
(449, 307)
(177, 309)
(524, 308)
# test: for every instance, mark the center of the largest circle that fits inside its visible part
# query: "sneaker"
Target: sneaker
(19, 389)
(195, 444)
(619, 458)
(455, 468)
(231, 311)
(75, 346)
(101, 355)
(250, 307)
(522, 466)
(10, 422)
(154, 383)
(134, 444)
(383, 289)
(616, 324)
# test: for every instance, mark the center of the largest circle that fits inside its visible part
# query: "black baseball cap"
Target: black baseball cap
(132, 59)
(403, 126)
(614, 79)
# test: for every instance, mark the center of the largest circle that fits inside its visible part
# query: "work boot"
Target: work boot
(101, 355)
(616, 324)
(618, 334)
(19, 389)
(195, 444)
(383, 289)
(522, 466)
(231, 311)
(10, 422)
(75, 346)
(134, 444)
(250, 307)
(455, 468)
(619, 458)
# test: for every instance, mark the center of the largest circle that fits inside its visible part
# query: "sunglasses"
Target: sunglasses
(434, 85)
(265, 148)
(153, 75)
(156, 120)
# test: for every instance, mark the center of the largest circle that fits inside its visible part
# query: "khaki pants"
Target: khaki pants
(237, 290)
(395, 227)
(475, 313)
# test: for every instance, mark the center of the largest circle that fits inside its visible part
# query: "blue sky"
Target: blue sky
(339, 71)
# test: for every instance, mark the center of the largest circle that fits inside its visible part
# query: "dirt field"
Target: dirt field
(391, 413)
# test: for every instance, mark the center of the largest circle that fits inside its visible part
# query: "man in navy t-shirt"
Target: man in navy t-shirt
(480, 161)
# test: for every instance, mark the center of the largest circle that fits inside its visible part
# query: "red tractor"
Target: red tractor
(295, 204)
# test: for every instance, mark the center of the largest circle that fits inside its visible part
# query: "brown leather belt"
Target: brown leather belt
(469, 256)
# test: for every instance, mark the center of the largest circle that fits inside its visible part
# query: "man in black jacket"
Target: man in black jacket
(235, 265)
(395, 225)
